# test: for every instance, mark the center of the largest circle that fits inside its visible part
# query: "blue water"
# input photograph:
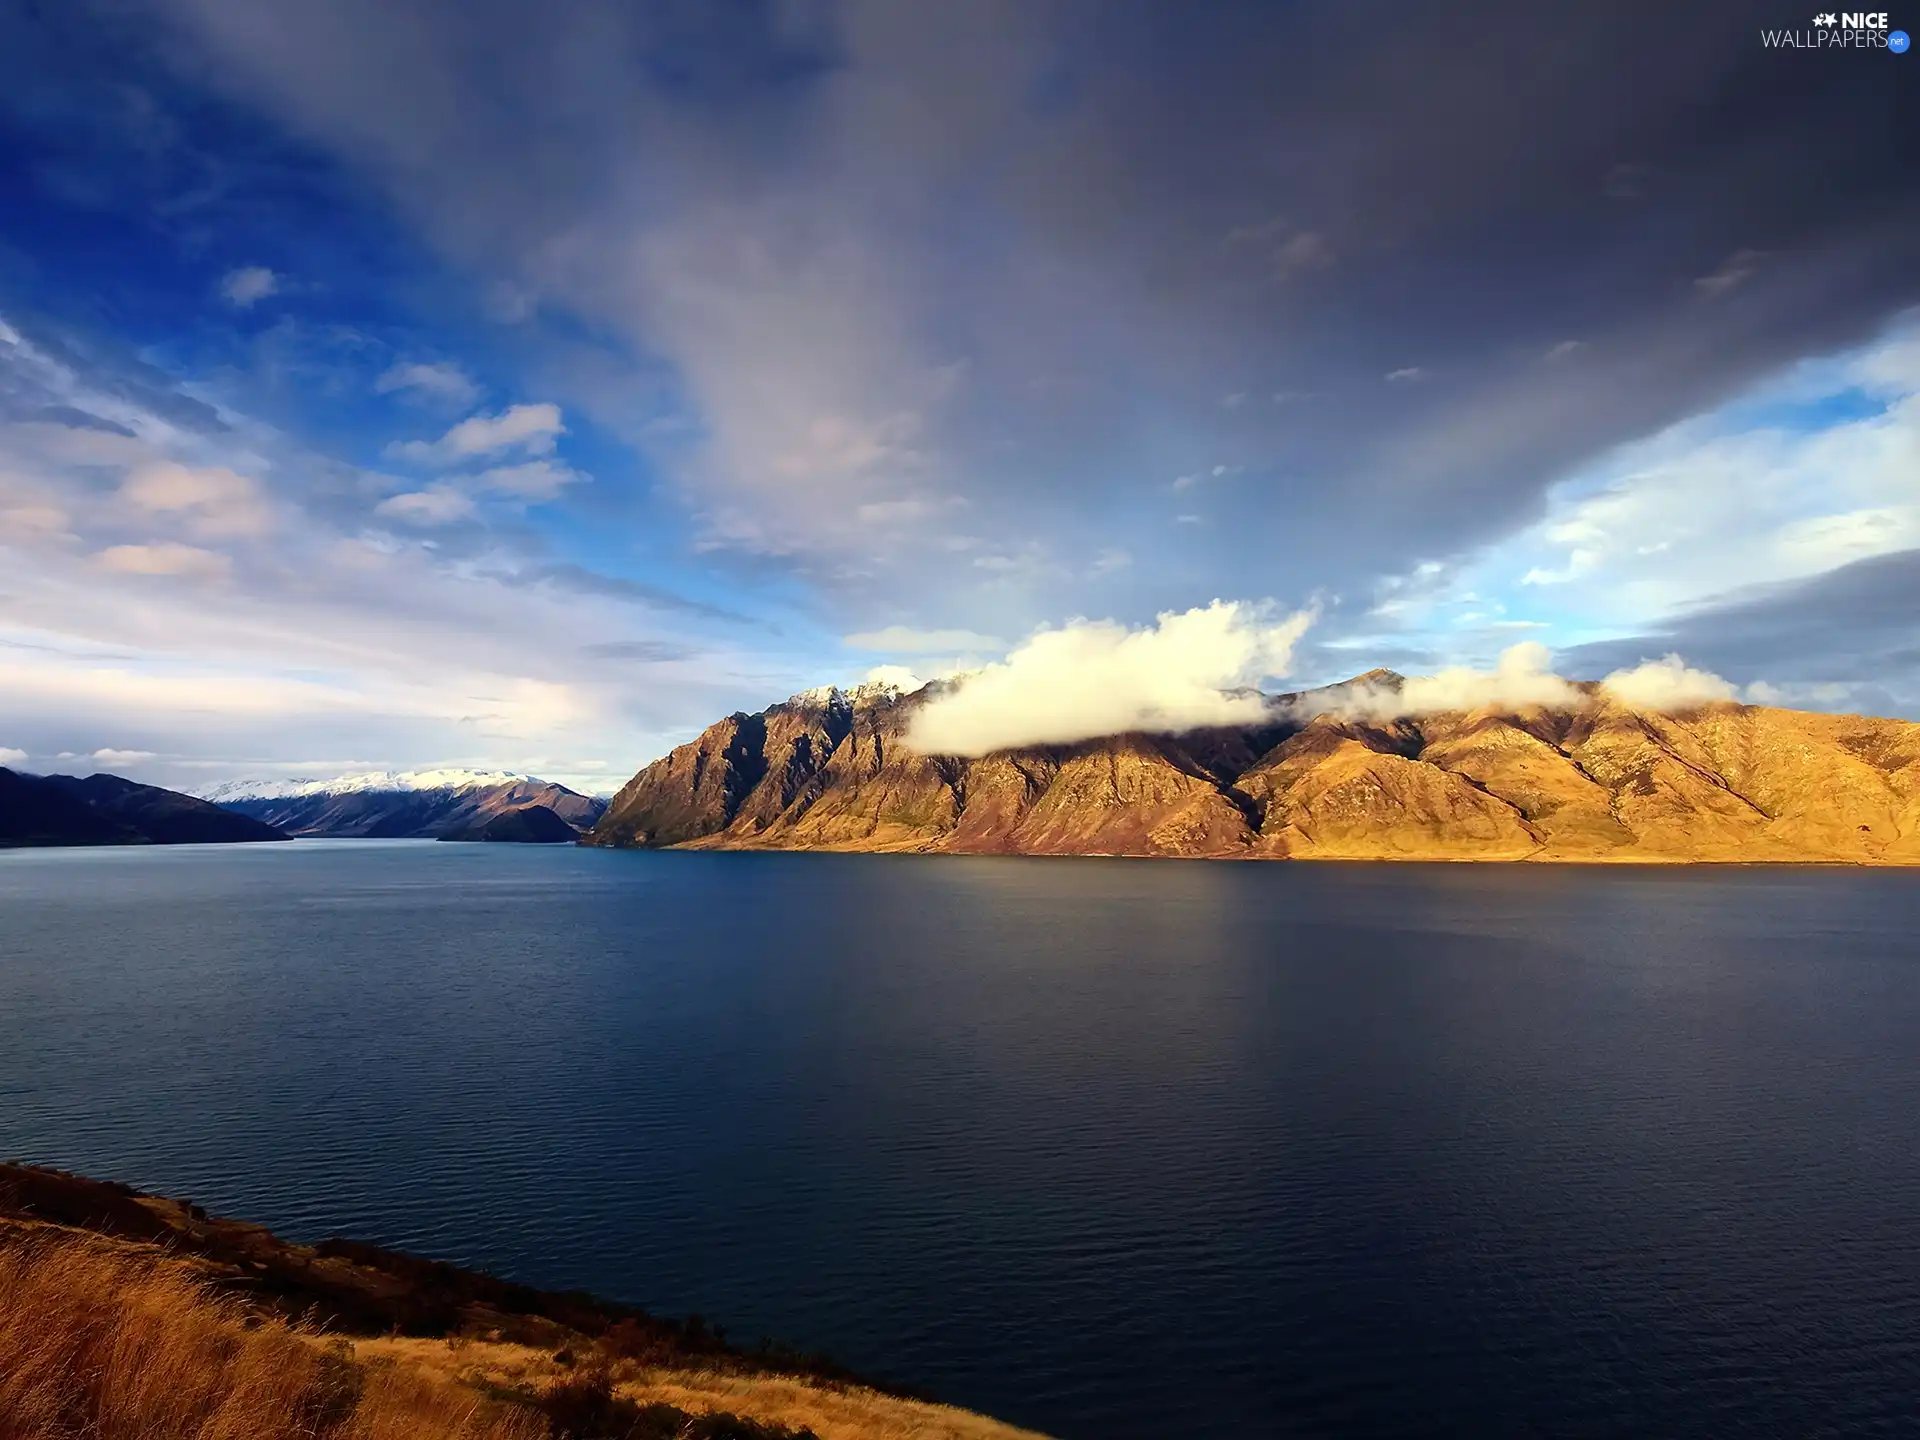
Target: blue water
(1110, 1148)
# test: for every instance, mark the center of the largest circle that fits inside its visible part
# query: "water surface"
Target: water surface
(1115, 1149)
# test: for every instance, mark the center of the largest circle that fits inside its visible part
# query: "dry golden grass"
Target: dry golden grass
(836, 1412)
(103, 1342)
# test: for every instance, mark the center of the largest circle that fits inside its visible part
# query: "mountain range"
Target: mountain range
(1589, 781)
(416, 804)
(106, 810)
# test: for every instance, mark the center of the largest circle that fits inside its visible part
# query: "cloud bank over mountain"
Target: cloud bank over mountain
(1095, 677)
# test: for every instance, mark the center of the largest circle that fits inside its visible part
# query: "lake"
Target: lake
(1110, 1148)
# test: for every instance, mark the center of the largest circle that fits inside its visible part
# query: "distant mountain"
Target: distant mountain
(106, 810)
(529, 825)
(1601, 781)
(401, 805)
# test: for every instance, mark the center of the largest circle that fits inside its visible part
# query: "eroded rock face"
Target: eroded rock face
(1603, 782)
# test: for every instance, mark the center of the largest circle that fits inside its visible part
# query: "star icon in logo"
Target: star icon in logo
(1826, 19)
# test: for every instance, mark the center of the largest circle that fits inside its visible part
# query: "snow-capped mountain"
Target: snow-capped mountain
(359, 782)
(403, 804)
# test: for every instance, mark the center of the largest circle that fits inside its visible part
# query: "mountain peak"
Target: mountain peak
(361, 781)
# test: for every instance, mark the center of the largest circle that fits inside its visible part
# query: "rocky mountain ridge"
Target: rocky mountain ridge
(1601, 781)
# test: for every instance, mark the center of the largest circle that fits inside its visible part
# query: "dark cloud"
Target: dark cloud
(1854, 626)
(646, 651)
(75, 419)
(923, 273)
(1018, 253)
(581, 580)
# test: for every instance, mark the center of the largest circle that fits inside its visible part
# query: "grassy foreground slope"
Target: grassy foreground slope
(129, 1317)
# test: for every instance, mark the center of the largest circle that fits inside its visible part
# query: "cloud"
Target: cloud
(1287, 249)
(905, 640)
(442, 381)
(77, 419)
(1095, 677)
(1523, 677)
(1406, 374)
(1665, 685)
(582, 581)
(898, 677)
(34, 520)
(11, 757)
(217, 502)
(435, 505)
(795, 255)
(528, 427)
(245, 287)
(121, 757)
(645, 651)
(536, 480)
(169, 558)
(1734, 271)
(1842, 639)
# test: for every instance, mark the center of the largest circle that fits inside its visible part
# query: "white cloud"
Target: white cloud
(898, 676)
(121, 757)
(528, 427)
(245, 287)
(34, 520)
(1665, 685)
(216, 502)
(1709, 507)
(442, 381)
(905, 640)
(1405, 374)
(11, 757)
(1566, 348)
(1096, 677)
(1522, 678)
(436, 505)
(167, 558)
(536, 480)
(1109, 561)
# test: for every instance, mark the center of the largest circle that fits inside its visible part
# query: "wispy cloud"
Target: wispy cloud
(246, 287)
(442, 381)
(523, 427)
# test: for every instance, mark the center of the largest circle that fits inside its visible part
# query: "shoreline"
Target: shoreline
(470, 1333)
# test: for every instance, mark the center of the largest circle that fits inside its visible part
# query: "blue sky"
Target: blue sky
(386, 386)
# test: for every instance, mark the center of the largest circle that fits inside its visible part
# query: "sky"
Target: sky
(407, 383)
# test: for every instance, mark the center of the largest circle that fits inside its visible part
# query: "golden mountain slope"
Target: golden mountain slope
(1723, 782)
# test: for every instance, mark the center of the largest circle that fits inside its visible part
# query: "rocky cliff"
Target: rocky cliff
(1602, 781)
